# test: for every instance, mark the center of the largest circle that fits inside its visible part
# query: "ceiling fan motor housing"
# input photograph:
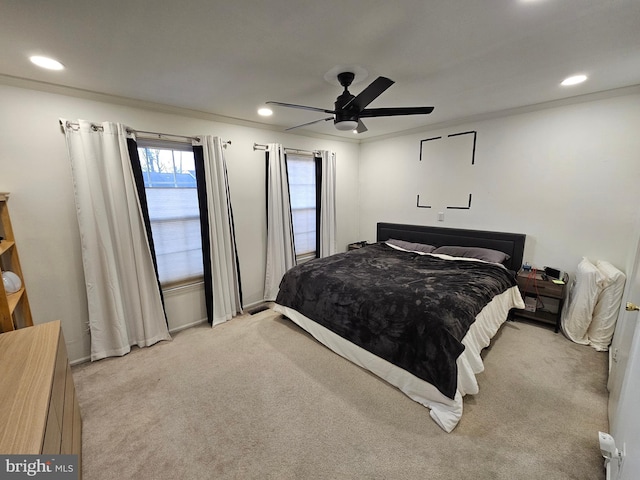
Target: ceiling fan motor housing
(346, 78)
(345, 118)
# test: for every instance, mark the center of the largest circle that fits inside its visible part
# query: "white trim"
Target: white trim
(80, 360)
(184, 288)
(188, 325)
(154, 107)
(588, 97)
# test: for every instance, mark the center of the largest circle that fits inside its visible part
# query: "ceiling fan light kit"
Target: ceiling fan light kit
(346, 125)
(348, 108)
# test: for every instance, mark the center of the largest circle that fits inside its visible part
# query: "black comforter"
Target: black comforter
(412, 310)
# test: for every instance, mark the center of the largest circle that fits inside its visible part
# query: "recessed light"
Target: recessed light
(45, 62)
(574, 80)
(265, 112)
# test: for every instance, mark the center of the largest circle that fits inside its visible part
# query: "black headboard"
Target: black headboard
(510, 243)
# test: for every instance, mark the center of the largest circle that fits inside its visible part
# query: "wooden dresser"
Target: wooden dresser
(39, 412)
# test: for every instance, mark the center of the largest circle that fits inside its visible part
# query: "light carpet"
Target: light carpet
(258, 398)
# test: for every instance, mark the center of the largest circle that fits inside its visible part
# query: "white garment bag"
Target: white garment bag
(590, 313)
(583, 295)
(605, 312)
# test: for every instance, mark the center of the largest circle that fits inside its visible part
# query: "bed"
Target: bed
(416, 316)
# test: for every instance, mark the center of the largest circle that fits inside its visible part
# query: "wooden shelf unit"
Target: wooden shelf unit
(14, 307)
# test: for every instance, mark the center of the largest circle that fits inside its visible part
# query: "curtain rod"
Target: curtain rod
(257, 146)
(159, 135)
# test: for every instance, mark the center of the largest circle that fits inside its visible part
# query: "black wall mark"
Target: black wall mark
(462, 208)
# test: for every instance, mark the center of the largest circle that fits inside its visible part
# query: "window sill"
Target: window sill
(182, 287)
(305, 258)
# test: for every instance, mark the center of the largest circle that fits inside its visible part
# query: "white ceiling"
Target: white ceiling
(465, 57)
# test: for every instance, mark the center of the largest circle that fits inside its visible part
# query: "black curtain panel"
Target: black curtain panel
(233, 236)
(318, 162)
(142, 196)
(198, 156)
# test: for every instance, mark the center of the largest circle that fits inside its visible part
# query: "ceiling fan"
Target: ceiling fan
(349, 109)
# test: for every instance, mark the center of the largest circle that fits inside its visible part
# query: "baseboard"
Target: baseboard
(79, 361)
(188, 325)
(251, 309)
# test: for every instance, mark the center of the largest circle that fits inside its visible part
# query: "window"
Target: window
(168, 169)
(301, 171)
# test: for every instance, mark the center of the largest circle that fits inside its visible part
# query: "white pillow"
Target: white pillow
(606, 309)
(583, 296)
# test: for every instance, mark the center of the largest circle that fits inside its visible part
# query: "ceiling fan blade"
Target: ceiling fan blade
(291, 105)
(369, 94)
(310, 123)
(392, 112)
(361, 128)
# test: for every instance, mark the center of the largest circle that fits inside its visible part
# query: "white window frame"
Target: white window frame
(196, 275)
(298, 204)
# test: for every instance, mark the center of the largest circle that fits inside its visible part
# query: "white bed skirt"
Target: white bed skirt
(443, 410)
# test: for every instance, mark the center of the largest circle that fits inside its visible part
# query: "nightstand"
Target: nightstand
(356, 245)
(535, 287)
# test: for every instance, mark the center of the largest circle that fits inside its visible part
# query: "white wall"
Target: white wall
(35, 169)
(568, 177)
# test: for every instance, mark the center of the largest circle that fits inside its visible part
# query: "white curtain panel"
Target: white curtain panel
(281, 255)
(125, 305)
(328, 204)
(226, 288)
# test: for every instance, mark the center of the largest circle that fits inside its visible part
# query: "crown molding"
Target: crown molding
(186, 112)
(588, 97)
(29, 84)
